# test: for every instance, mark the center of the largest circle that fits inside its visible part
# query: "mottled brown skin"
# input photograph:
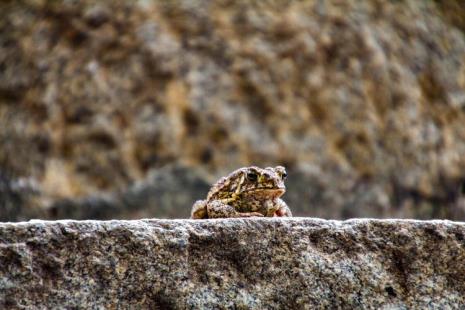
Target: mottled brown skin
(246, 192)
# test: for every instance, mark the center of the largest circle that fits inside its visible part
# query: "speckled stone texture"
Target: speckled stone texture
(296, 263)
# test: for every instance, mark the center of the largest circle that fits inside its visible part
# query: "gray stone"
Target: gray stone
(155, 196)
(291, 263)
(10, 200)
(15, 196)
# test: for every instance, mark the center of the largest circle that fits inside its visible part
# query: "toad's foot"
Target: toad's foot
(199, 210)
(283, 210)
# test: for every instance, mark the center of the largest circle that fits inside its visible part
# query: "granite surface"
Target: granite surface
(291, 263)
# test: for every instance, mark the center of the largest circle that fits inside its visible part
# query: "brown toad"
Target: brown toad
(246, 192)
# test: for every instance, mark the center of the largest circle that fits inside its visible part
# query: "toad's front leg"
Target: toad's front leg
(219, 209)
(283, 210)
(199, 210)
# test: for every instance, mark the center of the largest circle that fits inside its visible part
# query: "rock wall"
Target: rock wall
(363, 101)
(294, 263)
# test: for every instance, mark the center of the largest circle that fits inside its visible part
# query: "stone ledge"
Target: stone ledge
(290, 263)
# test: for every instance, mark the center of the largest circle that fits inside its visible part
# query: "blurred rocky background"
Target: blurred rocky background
(130, 109)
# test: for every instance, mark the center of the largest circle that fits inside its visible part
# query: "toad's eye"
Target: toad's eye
(252, 176)
(284, 175)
